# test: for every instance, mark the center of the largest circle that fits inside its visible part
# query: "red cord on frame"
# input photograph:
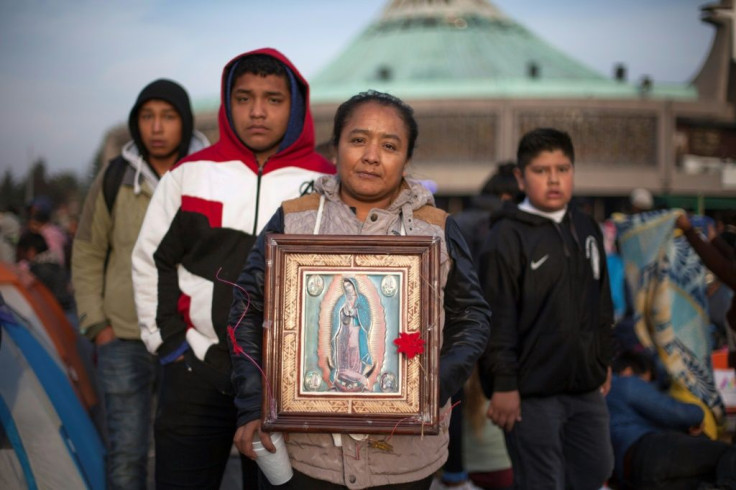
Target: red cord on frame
(237, 350)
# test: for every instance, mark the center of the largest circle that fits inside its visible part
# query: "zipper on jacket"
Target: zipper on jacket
(574, 232)
(577, 264)
(565, 248)
(572, 275)
(258, 197)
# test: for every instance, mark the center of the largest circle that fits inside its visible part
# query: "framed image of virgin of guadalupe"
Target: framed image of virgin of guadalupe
(351, 337)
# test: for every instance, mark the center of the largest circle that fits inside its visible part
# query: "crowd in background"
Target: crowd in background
(41, 249)
(38, 242)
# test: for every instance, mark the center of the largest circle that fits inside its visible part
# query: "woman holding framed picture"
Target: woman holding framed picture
(374, 135)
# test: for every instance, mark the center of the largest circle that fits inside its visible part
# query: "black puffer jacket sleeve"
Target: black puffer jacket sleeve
(246, 322)
(467, 316)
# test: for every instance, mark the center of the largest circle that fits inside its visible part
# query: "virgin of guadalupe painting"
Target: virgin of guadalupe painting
(350, 345)
(350, 358)
(333, 307)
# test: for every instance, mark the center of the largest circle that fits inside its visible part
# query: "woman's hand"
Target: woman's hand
(245, 435)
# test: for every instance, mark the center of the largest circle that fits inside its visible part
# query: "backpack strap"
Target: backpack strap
(112, 180)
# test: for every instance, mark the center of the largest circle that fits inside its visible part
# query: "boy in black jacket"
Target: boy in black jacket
(547, 365)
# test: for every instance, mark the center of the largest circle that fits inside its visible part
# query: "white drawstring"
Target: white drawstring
(320, 210)
(138, 170)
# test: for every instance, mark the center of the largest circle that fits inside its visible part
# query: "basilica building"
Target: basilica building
(478, 80)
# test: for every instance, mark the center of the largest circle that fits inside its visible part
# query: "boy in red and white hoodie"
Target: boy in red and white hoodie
(202, 221)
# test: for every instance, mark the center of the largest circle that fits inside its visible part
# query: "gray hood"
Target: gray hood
(143, 171)
(413, 193)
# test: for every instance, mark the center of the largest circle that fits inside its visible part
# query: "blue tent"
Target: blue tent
(48, 440)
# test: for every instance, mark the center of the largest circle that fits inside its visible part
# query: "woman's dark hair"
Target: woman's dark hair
(347, 108)
(543, 139)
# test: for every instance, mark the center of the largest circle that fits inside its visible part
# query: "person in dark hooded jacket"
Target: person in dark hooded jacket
(203, 219)
(162, 126)
(547, 366)
(499, 189)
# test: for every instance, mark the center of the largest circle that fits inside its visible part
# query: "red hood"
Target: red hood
(300, 153)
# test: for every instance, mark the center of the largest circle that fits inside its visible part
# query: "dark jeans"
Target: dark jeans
(562, 442)
(194, 430)
(126, 374)
(675, 460)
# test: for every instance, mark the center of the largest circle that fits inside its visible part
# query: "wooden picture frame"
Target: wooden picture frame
(333, 307)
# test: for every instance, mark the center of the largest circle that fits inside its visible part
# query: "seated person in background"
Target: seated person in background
(39, 221)
(657, 440)
(33, 255)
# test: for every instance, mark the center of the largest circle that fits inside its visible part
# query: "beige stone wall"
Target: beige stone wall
(619, 144)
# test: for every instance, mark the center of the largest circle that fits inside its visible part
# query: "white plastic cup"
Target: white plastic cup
(276, 466)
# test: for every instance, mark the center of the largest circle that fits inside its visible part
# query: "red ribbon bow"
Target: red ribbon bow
(410, 344)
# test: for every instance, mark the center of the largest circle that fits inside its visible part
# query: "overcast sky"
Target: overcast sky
(70, 70)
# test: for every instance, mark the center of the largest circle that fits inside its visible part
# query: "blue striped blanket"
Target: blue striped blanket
(667, 283)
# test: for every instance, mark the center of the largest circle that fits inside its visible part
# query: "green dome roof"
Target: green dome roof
(461, 48)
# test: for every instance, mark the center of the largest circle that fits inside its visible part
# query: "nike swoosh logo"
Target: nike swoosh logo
(536, 264)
